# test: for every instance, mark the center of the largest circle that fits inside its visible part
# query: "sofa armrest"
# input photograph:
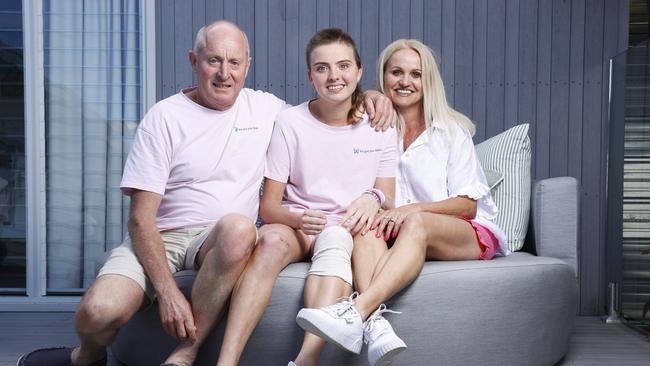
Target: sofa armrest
(555, 219)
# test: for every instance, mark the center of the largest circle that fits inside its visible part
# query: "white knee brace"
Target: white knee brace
(332, 253)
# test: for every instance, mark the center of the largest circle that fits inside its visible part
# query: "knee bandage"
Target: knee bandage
(332, 253)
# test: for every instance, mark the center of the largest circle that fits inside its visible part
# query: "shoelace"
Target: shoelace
(343, 309)
(372, 320)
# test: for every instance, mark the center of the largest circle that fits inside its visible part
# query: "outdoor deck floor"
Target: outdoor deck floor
(593, 343)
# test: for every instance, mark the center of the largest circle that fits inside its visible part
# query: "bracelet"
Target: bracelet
(377, 194)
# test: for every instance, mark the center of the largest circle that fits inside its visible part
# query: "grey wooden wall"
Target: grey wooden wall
(504, 62)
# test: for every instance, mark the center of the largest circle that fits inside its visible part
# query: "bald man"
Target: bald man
(193, 176)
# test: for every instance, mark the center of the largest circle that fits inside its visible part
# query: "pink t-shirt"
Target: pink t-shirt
(326, 168)
(205, 163)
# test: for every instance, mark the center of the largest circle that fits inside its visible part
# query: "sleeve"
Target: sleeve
(465, 176)
(389, 155)
(278, 157)
(148, 163)
(275, 104)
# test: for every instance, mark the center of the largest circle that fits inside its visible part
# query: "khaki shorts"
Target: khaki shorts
(181, 247)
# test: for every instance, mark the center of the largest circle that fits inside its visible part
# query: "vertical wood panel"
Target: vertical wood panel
(182, 18)
(276, 40)
(198, 20)
(199, 15)
(322, 14)
(307, 30)
(167, 50)
(354, 23)
(433, 25)
(385, 23)
(417, 19)
(213, 10)
(369, 40)
(590, 251)
(447, 53)
(463, 67)
(479, 68)
(528, 67)
(246, 21)
(338, 14)
(400, 19)
(496, 28)
(560, 52)
(159, 51)
(230, 10)
(542, 125)
(511, 117)
(292, 55)
(576, 89)
(261, 42)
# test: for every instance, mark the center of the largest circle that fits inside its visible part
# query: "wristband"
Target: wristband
(378, 195)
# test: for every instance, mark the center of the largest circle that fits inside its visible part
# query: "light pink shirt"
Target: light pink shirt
(205, 163)
(326, 168)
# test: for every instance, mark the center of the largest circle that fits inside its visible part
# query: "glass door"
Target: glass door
(12, 151)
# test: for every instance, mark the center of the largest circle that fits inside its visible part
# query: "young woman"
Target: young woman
(326, 177)
(444, 210)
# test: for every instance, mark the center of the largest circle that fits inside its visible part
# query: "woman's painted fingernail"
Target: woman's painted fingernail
(377, 235)
(394, 235)
(386, 236)
(372, 227)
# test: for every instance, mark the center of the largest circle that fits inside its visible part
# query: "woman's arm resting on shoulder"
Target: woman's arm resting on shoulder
(311, 222)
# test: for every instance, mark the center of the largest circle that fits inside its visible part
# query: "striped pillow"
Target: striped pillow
(509, 153)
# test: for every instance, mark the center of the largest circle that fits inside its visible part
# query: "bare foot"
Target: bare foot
(184, 354)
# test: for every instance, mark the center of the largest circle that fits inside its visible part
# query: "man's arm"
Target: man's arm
(175, 310)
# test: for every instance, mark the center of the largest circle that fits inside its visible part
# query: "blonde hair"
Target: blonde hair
(434, 101)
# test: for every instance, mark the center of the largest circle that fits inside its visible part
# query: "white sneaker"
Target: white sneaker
(383, 343)
(291, 363)
(338, 323)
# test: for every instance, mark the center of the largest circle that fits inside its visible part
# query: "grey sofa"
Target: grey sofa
(517, 310)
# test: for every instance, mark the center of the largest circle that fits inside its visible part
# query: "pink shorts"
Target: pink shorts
(486, 240)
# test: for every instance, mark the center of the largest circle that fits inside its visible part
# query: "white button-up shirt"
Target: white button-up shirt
(437, 166)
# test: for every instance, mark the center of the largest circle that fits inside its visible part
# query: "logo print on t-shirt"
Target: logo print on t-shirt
(364, 151)
(244, 129)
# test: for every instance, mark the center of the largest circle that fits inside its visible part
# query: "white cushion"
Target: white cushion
(509, 153)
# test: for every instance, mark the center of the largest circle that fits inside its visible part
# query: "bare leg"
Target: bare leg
(107, 305)
(366, 255)
(277, 247)
(221, 260)
(422, 236)
(319, 291)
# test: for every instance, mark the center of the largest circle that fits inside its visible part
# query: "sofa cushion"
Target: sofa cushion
(509, 153)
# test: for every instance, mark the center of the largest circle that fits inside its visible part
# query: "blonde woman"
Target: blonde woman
(444, 210)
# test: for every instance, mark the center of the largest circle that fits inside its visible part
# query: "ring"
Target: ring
(387, 218)
(391, 220)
